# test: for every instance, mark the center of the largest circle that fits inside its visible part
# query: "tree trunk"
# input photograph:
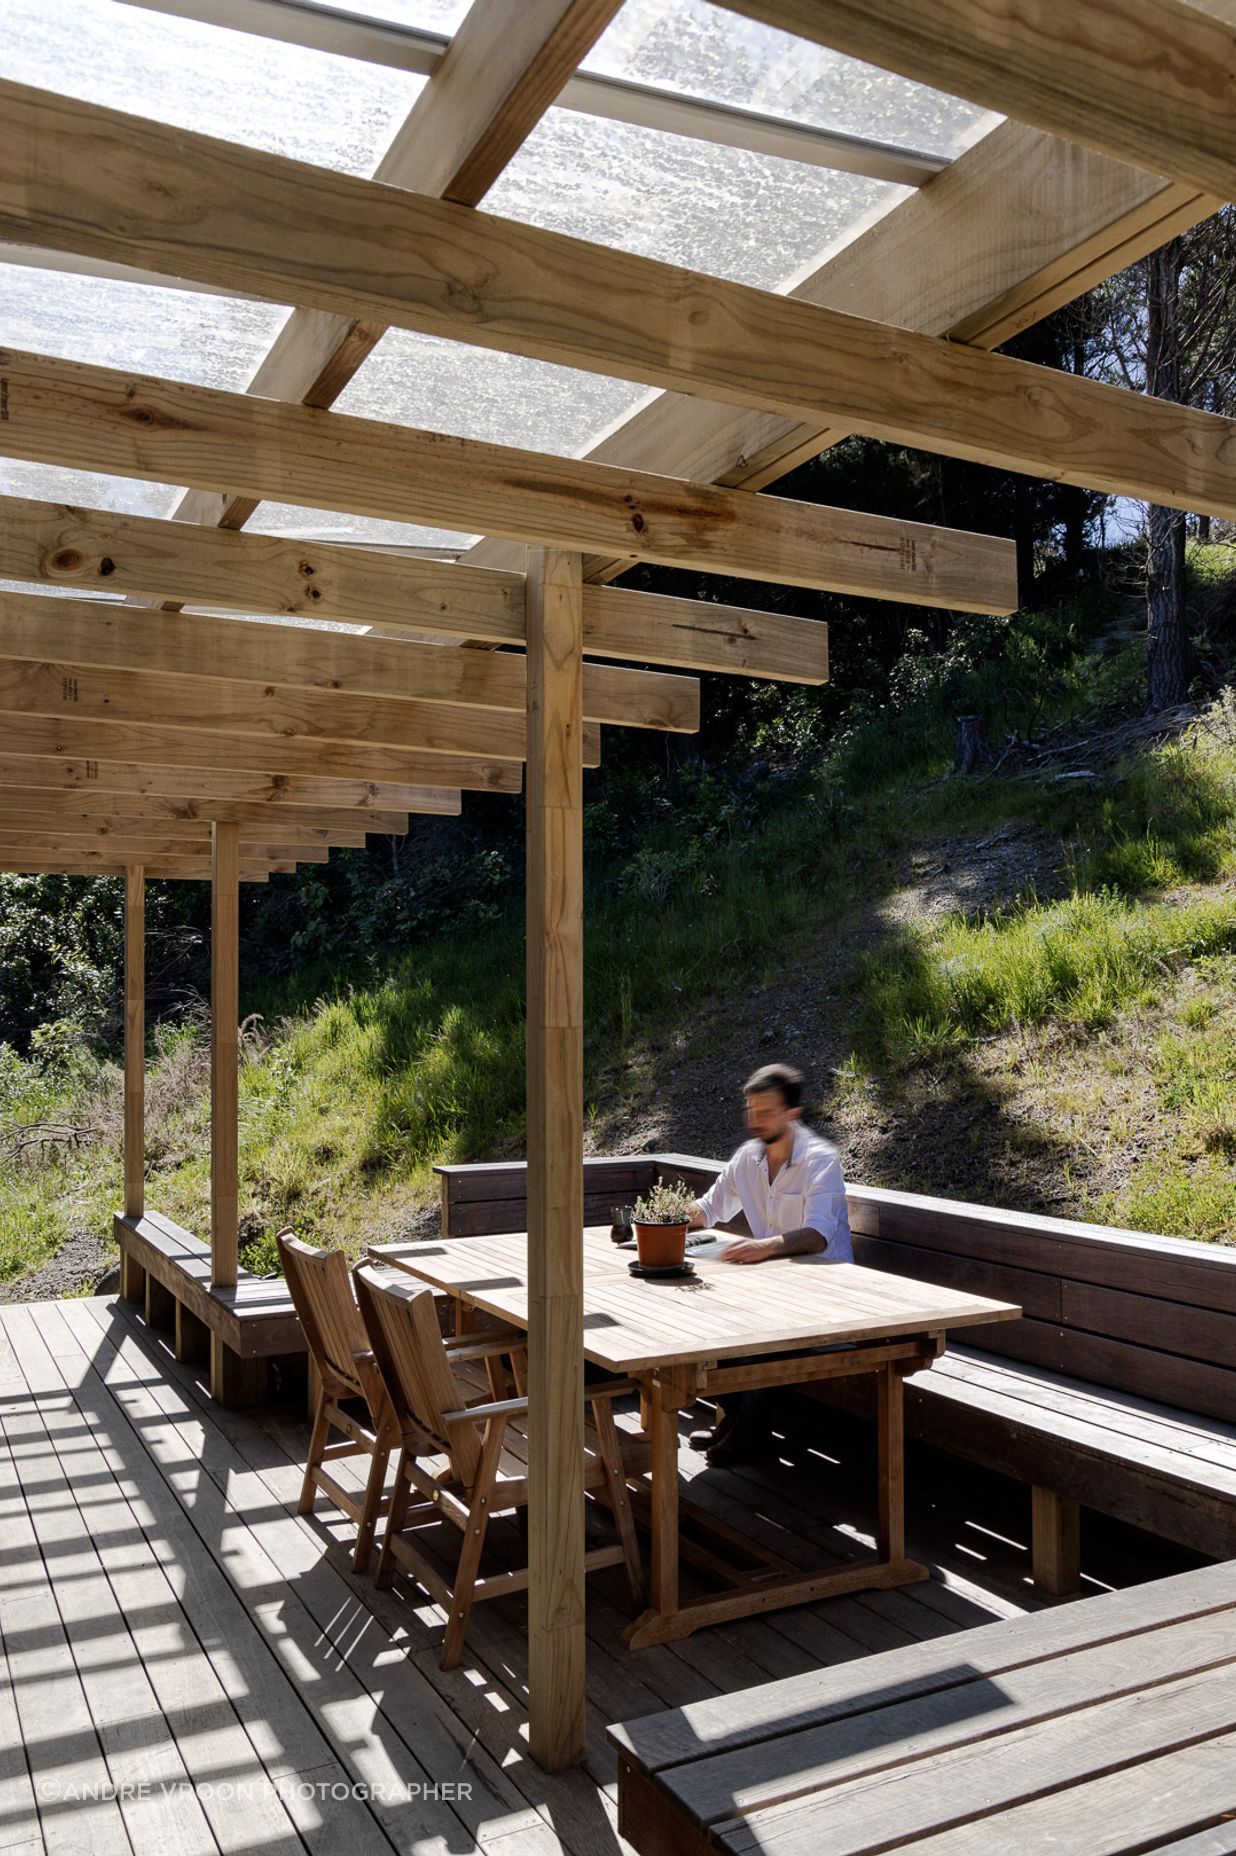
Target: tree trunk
(1168, 654)
(973, 750)
(1203, 528)
(1023, 536)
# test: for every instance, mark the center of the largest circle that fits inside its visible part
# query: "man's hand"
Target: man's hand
(754, 1250)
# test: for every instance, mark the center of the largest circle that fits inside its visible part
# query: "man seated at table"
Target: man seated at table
(787, 1181)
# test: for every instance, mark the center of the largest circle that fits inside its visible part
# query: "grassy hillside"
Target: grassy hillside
(1051, 1020)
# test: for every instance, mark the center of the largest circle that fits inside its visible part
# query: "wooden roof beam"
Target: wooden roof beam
(188, 793)
(1147, 81)
(145, 849)
(101, 805)
(109, 635)
(97, 550)
(93, 418)
(204, 705)
(23, 814)
(75, 175)
(258, 763)
(96, 864)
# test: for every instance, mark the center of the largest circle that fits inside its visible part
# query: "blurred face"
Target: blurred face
(768, 1118)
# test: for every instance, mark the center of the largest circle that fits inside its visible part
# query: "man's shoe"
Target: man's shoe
(706, 1440)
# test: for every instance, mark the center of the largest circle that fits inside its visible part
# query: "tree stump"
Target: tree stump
(972, 749)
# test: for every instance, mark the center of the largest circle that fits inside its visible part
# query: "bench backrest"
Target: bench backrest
(480, 1200)
(1154, 1316)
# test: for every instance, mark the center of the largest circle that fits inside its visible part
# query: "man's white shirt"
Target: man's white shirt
(808, 1193)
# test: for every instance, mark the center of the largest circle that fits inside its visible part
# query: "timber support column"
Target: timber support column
(555, 1084)
(131, 1286)
(224, 1051)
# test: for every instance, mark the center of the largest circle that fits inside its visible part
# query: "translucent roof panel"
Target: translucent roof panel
(708, 52)
(85, 489)
(330, 525)
(212, 341)
(727, 211)
(477, 393)
(313, 105)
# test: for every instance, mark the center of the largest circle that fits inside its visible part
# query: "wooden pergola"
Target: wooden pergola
(146, 737)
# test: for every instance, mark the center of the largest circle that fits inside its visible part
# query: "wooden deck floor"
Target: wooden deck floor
(190, 1666)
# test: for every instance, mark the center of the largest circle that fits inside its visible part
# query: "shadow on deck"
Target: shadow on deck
(192, 1666)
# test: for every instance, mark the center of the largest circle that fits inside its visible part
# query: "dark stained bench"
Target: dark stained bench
(237, 1330)
(1095, 1729)
(1116, 1390)
(478, 1201)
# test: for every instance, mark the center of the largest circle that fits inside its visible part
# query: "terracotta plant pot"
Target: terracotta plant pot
(660, 1246)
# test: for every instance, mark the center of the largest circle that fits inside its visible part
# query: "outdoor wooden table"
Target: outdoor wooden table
(678, 1339)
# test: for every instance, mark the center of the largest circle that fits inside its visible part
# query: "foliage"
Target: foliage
(664, 1204)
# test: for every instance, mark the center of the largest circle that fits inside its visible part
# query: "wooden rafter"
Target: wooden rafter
(66, 412)
(180, 562)
(501, 72)
(168, 868)
(202, 706)
(253, 759)
(1147, 81)
(428, 265)
(22, 817)
(105, 634)
(19, 845)
(101, 806)
(192, 792)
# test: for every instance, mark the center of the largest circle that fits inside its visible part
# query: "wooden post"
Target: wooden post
(224, 1053)
(556, 1676)
(890, 1426)
(131, 1286)
(1055, 1542)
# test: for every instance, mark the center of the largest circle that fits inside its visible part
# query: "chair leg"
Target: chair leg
(619, 1500)
(394, 1521)
(371, 1508)
(317, 1445)
(473, 1543)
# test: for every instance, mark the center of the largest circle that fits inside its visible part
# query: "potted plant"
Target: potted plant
(661, 1219)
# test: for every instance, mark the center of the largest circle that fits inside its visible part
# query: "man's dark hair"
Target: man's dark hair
(780, 1076)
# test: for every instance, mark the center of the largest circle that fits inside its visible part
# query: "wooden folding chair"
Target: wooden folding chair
(480, 1463)
(321, 1290)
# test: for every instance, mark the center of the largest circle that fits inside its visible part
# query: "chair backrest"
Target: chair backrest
(321, 1291)
(401, 1319)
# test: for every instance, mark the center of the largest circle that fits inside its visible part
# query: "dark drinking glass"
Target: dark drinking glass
(621, 1227)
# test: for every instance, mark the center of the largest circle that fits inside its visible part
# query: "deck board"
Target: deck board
(165, 1613)
(312, 1623)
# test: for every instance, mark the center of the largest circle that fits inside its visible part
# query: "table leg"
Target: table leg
(890, 1527)
(662, 1427)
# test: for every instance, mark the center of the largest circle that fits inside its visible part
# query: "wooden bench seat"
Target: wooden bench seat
(1094, 1729)
(238, 1329)
(1117, 1388)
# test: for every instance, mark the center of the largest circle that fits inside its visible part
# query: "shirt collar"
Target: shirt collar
(801, 1136)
